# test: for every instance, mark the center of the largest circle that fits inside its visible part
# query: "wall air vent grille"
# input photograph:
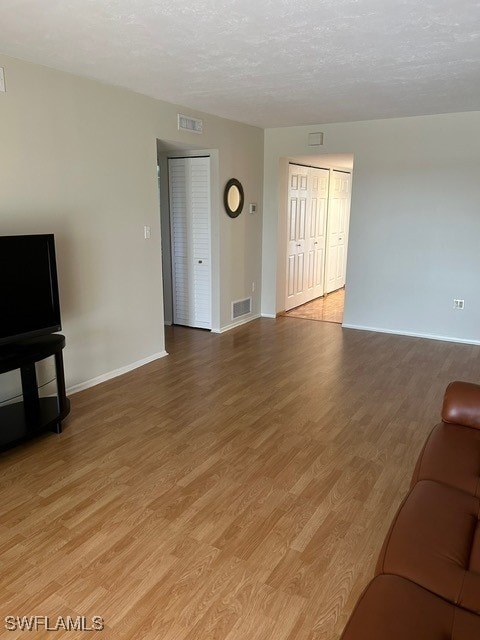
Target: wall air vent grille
(186, 123)
(241, 308)
(315, 139)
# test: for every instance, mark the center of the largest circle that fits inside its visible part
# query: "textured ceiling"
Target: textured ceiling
(265, 62)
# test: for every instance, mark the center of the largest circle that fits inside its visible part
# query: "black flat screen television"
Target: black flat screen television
(29, 301)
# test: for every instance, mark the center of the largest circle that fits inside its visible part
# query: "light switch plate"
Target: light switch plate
(2, 80)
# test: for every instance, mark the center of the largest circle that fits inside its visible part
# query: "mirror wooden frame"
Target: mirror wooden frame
(231, 184)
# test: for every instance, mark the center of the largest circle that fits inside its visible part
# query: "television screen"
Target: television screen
(28, 287)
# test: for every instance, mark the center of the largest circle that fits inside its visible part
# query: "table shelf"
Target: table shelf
(33, 415)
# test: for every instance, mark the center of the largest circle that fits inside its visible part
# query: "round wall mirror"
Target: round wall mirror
(233, 198)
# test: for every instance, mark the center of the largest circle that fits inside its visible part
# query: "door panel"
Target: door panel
(191, 240)
(308, 197)
(293, 220)
(337, 229)
(292, 242)
(319, 199)
(291, 276)
(297, 225)
(302, 219)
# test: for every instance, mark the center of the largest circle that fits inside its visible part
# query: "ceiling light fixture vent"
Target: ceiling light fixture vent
(186, 123)
(315, 139)
(241, 308)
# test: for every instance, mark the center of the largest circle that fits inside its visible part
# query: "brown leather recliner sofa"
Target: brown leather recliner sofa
(427, 583)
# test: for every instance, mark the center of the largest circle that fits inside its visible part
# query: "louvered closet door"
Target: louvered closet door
(189, 180)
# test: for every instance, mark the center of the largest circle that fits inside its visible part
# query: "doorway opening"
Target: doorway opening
(316, 196)
(187, 180)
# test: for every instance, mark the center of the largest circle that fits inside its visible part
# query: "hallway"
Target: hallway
(328, 308)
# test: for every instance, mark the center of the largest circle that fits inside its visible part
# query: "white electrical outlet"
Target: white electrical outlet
(458, 304)
(147, 232)
(2, 80)
(253, 287)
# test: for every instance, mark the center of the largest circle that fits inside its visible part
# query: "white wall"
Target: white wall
(78, 159)
(415, 221)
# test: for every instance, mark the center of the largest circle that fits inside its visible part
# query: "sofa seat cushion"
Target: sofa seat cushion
(392, 608)
(434, 541)
(451, 455)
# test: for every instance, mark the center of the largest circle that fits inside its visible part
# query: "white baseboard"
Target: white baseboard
(115, 373)
(238, 323)
(269, 315)
(412, 334)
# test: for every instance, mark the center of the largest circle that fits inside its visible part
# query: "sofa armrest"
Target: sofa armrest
(461, 404)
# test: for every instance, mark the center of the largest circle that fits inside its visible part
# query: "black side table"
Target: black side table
(34, 414)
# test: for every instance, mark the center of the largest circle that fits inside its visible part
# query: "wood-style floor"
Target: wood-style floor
(238, 489)
(328, 308)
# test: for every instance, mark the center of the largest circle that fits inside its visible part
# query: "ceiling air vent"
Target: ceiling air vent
(241, 308)
(186, 123)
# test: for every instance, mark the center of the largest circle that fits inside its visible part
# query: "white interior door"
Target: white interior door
(190, 206)
(306, 233)
(296, 293)
(318, 180)
(337, 229)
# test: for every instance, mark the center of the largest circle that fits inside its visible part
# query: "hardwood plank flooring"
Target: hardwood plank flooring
(238, 489)
(328, 308)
